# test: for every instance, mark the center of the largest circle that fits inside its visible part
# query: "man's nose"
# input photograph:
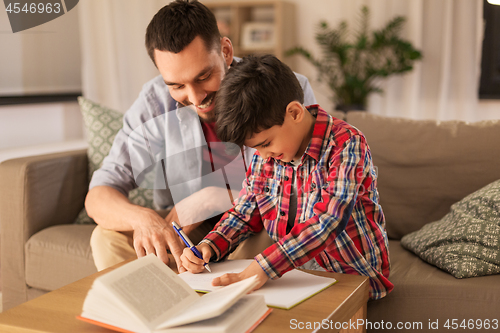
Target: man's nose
(196, 95)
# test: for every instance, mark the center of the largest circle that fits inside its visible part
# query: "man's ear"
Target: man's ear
(295, 110)
(227, 50)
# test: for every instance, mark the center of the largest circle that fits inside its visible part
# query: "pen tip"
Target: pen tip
(208, 268)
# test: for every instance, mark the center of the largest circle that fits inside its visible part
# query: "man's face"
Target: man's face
(193, 75)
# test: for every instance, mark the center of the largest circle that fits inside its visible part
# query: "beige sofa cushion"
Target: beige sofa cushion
(426, 166)
(59, 255)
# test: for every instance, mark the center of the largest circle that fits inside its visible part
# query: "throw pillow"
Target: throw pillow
(102, 125)
(465, 242)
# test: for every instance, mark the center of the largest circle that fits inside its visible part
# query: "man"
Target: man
(184, 43)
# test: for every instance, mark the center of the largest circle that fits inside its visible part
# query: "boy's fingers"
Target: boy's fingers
(207, 254)
(191, 262)
(226, 279)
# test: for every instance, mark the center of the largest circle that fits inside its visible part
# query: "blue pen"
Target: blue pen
(189, 244)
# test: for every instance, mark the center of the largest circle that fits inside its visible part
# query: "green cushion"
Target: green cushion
(465, 242)
(102, 125)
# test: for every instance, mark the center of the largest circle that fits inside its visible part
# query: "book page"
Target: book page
(246, 313)
(150, 289)
(213, 304)
(292, 288)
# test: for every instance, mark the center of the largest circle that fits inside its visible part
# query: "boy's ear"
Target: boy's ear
(296, 111)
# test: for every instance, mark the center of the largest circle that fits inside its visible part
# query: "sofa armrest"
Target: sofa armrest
(37, 192)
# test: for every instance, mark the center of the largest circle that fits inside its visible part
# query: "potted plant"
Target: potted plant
(350, 68)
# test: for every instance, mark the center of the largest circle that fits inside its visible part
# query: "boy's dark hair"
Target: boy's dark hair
(253, 97)
(177, 24)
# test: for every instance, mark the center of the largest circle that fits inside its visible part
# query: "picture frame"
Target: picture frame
(258, 36)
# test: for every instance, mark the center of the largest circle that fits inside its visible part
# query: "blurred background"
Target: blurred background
(97, 50)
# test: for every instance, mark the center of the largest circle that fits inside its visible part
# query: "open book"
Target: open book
(291, 289)
(145, 295)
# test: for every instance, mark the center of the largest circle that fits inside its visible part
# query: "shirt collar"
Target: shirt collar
(322, 128)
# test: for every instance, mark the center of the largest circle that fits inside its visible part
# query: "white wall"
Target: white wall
(489, 109)
(43, 59)
(39, 124)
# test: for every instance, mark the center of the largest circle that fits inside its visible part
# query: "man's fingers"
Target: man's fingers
(175, 248)
(161, 252)
(139, 250)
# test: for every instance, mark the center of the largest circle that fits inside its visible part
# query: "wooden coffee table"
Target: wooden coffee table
(342, 303)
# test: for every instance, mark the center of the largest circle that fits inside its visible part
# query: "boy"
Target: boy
(311, 184)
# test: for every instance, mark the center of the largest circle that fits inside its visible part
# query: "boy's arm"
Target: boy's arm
(349, 170)
(238, 223)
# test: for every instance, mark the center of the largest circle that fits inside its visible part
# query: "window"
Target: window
(489, 87)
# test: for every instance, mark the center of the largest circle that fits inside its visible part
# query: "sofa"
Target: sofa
(423, 168)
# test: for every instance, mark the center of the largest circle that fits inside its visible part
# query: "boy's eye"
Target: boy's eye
(178, 87)
(266, 144)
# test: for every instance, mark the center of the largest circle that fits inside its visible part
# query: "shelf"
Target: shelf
(256, 27)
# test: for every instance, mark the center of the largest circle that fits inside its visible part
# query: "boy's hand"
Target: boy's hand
(253, 269)
(191, 262)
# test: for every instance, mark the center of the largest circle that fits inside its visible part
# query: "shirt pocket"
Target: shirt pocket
(266, 191)
(316, 184)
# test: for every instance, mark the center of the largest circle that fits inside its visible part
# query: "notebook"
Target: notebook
(291, 289)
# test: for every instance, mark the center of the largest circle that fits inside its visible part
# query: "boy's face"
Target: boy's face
(286, 142)
(193, 75)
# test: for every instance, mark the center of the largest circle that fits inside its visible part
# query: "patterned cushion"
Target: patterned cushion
(466, 242)
(102, 125)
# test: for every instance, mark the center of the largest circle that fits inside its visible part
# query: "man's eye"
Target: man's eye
(266, 144)
(178, 87)
(205, 77)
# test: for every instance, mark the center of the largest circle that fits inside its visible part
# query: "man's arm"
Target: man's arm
(309, 98)
(112, 210)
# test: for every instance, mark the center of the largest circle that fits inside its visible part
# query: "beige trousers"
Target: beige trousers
(112, 247)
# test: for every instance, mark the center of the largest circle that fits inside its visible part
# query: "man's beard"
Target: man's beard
(208, 117)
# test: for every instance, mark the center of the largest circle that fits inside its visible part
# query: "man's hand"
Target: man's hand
(253, 269)
(194, 264)
(154, 235)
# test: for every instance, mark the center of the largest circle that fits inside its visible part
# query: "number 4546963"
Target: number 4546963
(472, 324)
(34, 8)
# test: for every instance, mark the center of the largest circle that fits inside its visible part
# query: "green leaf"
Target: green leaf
(349, 64)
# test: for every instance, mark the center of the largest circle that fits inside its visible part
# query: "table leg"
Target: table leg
(360, 314)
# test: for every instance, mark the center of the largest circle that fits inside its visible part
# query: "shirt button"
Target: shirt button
(286, 178)
(282, 213)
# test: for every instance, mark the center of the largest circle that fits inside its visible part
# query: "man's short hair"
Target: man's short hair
(177, 24)
(253, 97)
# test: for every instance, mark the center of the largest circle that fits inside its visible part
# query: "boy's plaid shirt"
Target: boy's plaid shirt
(339, 219)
